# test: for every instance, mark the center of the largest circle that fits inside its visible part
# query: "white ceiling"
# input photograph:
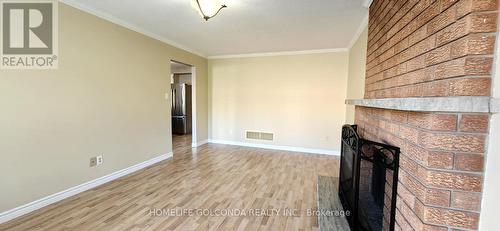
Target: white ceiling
(246, 26)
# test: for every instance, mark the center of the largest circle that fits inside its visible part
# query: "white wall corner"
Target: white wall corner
(367, 3)
(491, 189)
(360, 30)
(56, 197)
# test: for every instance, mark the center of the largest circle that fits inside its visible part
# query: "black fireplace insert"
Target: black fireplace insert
(368, 181)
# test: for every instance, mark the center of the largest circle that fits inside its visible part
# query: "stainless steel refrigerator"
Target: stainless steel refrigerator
(181, 108)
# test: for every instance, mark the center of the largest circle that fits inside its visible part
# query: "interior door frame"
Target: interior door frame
(194, 113)
(194, 137)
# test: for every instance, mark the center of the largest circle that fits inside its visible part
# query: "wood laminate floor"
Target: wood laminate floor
(211, 177)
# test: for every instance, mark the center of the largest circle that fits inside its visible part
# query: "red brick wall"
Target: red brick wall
(441, 168)
(428, 48)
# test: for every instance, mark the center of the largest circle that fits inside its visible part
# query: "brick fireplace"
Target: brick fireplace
(427, 91)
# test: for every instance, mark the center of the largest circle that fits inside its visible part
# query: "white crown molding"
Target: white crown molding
(127, 25)
(282, 53)
(277, 147)
(360, 30)
(153, 35)
(38, 204)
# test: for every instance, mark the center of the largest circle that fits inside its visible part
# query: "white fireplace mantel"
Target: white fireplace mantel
(464, 104)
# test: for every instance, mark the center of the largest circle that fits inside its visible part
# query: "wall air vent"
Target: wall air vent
(259, 136)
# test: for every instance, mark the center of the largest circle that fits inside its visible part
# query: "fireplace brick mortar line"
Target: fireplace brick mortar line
(457, 104)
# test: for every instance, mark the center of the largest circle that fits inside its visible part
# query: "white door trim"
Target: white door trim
(194, 113)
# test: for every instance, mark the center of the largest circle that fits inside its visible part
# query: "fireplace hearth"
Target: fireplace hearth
(368, 181)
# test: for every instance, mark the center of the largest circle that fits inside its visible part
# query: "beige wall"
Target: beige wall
(107, 98)
(357, 69)
(300, 98)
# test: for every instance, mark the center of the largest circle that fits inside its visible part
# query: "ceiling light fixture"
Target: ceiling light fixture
(208, 8)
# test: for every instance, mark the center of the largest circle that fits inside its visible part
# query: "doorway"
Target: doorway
(183, 104)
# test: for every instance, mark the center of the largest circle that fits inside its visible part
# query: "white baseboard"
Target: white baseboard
(278, 147)
(197, 144)
(32, 206)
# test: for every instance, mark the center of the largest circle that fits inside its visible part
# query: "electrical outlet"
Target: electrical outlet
(96, 161)
(100, 160)
(93, 161)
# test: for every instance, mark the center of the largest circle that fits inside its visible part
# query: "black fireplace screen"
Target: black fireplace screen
(368, 181)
